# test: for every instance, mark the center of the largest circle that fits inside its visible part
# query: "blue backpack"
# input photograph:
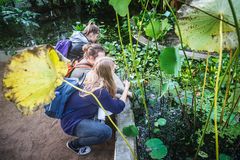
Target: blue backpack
(56, 109)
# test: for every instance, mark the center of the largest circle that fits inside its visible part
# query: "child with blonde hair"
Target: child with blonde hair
(81, 123)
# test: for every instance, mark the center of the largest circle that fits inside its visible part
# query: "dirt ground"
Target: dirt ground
(37, 137)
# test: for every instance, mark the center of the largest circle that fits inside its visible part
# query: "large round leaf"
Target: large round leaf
(158, 149)
(170, 61)
(159, 153)
(32, 76)
(201, 31)
(154, 143)
(120, 6)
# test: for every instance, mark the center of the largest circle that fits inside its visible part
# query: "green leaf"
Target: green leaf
(153, 29)
(164, 88)
(224, 157)
(156, 130)
(130, 131)
(162, 121)
(201, 31)
(158, 149)
(159, 153)
(154, 143)
(170, 61)
(121, 7)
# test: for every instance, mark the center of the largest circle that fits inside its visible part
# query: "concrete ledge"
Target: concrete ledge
(124, 119)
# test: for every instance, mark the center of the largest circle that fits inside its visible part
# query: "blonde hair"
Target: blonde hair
(92, 49)
(101, 76)
(91, 28)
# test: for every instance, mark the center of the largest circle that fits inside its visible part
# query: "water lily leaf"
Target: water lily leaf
(201, 31)
(32, 76)
(162, 121)
(154, 143)
(170, 61)
(159, 153)
(130, 131)
(224, 157)
(121, 7)
(158, 149)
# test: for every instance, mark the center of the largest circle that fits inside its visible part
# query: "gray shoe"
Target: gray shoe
(84, 150)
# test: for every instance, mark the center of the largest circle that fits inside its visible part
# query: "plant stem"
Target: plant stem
(227, 91)
(124, 54)
(183, 110)
(210, 112)
(231, 112)
(204, 82)
(133, 53)
(188, 64)
(216, 89)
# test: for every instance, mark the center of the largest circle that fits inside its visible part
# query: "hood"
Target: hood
(77, 36)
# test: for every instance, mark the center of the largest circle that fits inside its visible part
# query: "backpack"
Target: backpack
(73, 65)
(64, 46)
(56, 109)
(72, 48)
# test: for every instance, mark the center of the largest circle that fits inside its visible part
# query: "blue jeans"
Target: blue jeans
(91, 132)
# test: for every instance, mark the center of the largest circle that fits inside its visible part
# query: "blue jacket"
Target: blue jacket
(86, 108)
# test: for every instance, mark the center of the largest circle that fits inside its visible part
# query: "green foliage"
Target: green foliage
(158, 149)
(170, 61)
(79, 26)
(224, 157)
(131, 131)
(93, 2)
(157, 29)
(18, 16)
(121, 7)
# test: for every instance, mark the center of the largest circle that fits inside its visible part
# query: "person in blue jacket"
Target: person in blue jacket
(82, 122)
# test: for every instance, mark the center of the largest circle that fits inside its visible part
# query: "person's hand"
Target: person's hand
(126, 84)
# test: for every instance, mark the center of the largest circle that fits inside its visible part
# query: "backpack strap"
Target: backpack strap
(72, 66)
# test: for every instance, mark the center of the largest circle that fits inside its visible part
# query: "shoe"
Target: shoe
(84, 150)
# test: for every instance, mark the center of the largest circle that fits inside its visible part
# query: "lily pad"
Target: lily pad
(159, 153)
(158, 149)
(32, 76)
(162, 121)
(201, 31)
(121, 7)
(170, 61)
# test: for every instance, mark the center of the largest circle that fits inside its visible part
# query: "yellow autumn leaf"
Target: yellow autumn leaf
(32, 76)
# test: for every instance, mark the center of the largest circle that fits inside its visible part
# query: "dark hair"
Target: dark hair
(92, 49)
(91, 28)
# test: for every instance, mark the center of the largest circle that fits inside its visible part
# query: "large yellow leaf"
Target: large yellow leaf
(32, 76)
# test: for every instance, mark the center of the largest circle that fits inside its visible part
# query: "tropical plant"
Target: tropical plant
(157, 149)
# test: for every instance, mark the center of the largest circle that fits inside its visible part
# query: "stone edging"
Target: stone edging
(124, 119)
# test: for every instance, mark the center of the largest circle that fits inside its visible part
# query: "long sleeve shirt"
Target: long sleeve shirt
(86, 107)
